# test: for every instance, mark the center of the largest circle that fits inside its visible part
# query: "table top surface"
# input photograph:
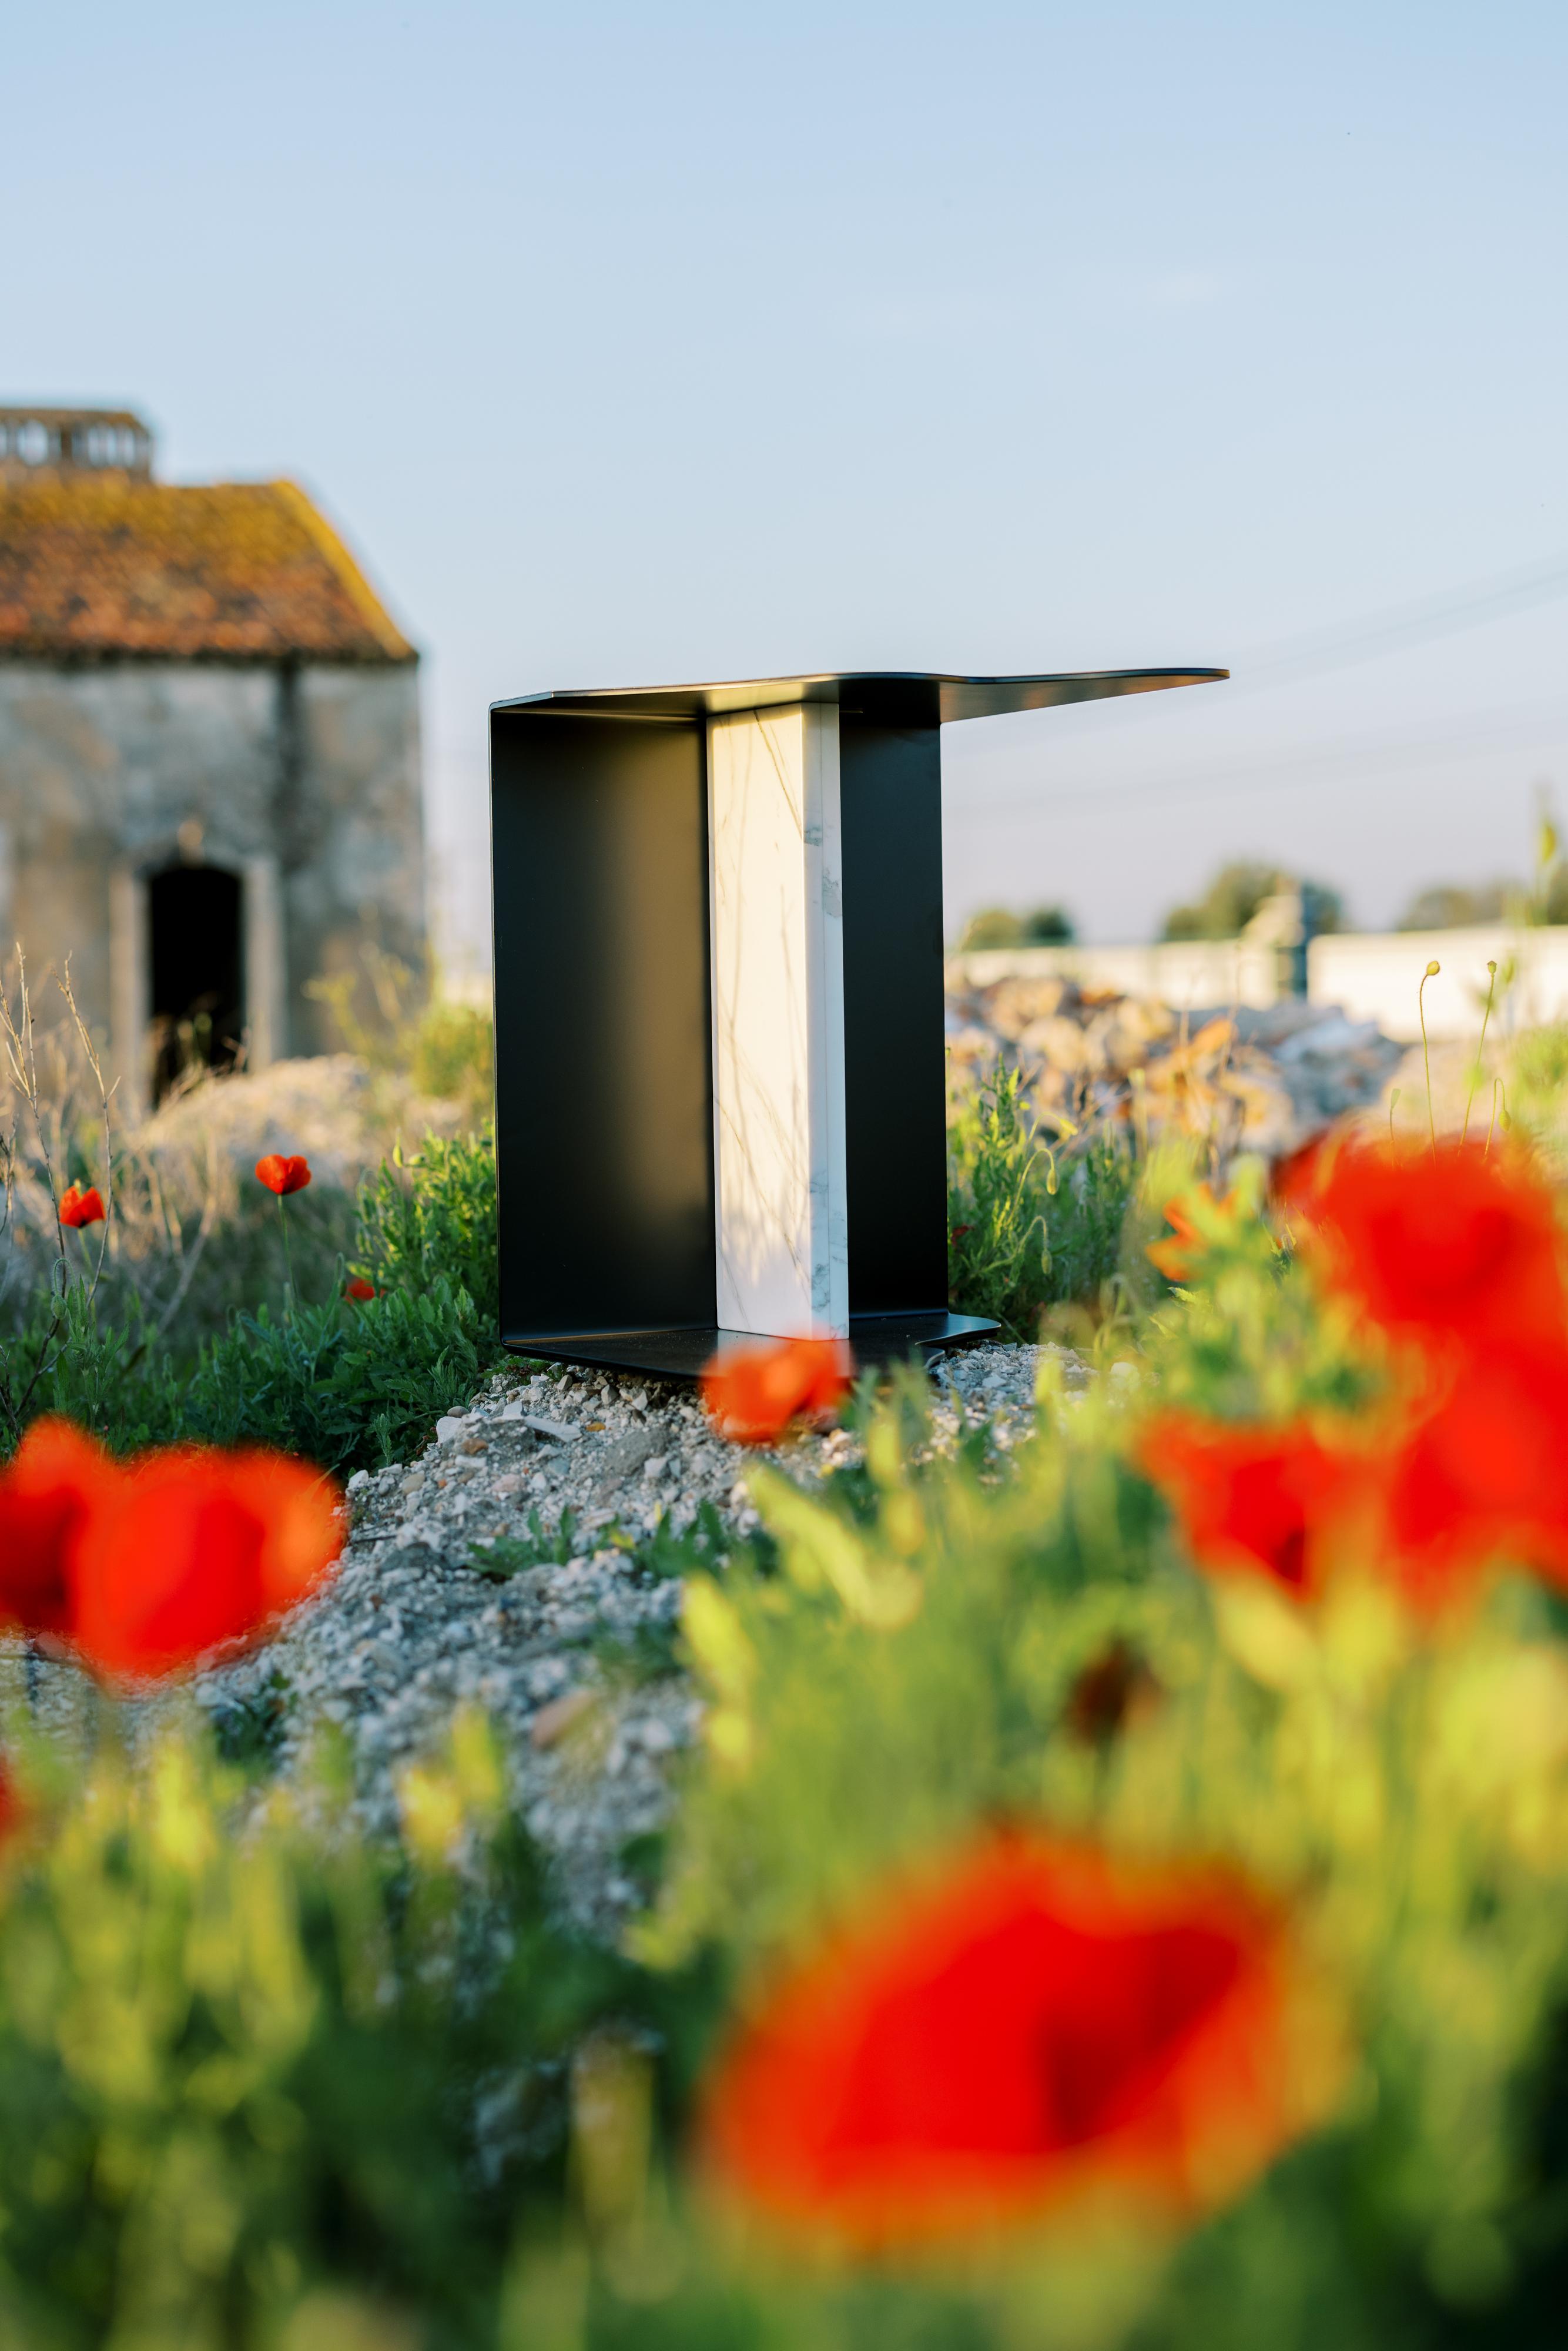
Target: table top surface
(887, 698)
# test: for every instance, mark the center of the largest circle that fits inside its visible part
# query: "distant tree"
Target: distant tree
(993, 926)
(1049, 926)
(1451, 906)
(998, 926)
(1322, 909)
(1234, 896)
(1227, 906)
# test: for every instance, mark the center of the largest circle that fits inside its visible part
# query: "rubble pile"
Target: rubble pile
(1233, 1080)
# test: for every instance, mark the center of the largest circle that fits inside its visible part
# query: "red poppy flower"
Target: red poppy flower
(1454, 1245)
(282, 1175)
(1294, 1180)
(980, 2047)
(199, 1548)
(1179, 1252)
(1249, 1497)
(57, 1481)
(78, 1208)
(754, 1393)
(358, 1288)
(13, 1809)
(143, 1569)
(1482, 1478)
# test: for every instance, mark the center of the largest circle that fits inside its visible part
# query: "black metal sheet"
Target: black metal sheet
(604, 1139)
(890, 697)
(680, 1353)
(895, 1142)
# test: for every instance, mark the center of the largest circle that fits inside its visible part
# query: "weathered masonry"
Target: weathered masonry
(209, 749)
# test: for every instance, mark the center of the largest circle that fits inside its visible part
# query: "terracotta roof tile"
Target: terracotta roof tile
(98, 564)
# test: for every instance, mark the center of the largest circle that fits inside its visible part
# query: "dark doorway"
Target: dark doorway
(198, 1007)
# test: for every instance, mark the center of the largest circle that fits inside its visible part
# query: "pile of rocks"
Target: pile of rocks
(1234, 1080)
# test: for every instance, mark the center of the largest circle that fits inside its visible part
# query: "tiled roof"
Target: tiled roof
(95, 564)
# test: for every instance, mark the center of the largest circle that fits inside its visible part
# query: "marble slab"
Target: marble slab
(777, 913)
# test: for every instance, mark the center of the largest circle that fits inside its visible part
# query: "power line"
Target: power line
(1342, 645)
(1428, 618)
(1356, 757)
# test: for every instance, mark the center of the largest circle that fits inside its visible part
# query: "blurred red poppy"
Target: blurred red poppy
(1026, 2025)
(282, 1175)
(1453, 1245)
(1178, 1255)
(78, 1208)
(1482, 1479)
(1294, 1180)
(752, 1394)
(1248, 1496)
(198, 1548)
(1180, 1250)
(13, 1809)
(57, 1481)
(358, 1288)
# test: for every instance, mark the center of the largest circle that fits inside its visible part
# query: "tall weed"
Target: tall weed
(1028, 1229)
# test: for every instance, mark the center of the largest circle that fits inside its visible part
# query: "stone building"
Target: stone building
(209, 749)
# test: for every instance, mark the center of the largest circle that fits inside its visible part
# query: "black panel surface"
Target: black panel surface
(893, 697)
(680, 1354)
(894, 1067)
(603, 1132)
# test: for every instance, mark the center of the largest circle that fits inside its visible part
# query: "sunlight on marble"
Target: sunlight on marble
(777, 1016)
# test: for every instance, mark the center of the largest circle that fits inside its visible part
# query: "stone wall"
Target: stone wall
(1184, 973)
(303, 780)
(1370, 975)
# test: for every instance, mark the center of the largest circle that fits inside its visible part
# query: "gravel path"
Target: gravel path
(521, 1564)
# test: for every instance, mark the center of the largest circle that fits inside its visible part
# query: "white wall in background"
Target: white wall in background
(1376, 975)
(1371, 975)
(1180, 972)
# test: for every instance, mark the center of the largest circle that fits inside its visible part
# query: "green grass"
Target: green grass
(1028, 1228)
(346, 1383)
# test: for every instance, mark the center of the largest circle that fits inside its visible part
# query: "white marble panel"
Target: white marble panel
(778, 1022)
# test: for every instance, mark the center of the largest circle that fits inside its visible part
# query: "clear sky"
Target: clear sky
(630, 345)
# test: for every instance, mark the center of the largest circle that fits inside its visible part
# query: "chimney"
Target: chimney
(35, 439)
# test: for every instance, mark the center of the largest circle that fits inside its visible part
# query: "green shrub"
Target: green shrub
(430, 1217)
(998, 1263)
(348, 1386)
(346, 1383)
(107, 1373)
(1027, 1230)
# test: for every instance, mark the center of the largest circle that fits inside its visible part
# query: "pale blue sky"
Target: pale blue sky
(632, 345)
